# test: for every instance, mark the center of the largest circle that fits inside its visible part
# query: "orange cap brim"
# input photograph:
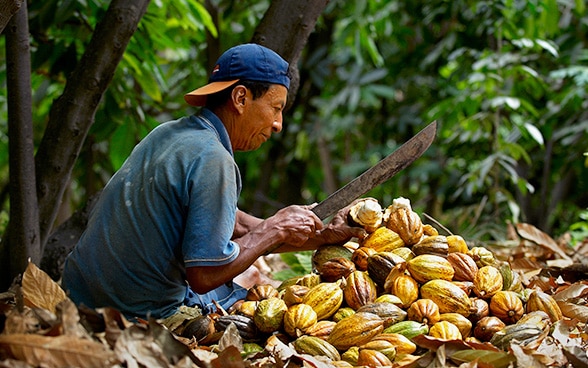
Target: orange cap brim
(198, 96)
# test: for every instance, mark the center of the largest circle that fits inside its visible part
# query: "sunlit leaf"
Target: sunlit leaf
(39, 290)
(535, 133)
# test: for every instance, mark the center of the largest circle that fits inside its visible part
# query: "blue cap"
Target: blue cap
(244, 62)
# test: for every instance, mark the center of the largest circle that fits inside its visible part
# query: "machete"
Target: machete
(385, 169)
(389, 166)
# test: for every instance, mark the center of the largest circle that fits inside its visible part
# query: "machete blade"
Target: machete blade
(389, 166)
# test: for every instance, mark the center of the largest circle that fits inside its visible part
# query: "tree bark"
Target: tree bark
(72, 114)
(7, 9)
(21, 240)
(285, 28)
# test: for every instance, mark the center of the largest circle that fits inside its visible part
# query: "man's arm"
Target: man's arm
(244, 223)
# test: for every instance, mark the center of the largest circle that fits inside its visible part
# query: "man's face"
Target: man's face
(261, 118)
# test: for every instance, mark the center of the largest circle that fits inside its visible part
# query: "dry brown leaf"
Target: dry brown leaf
(60, 351)
(39, 290)
(576, 311)
(530, 232)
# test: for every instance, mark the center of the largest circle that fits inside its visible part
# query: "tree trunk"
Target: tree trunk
(21, 240)
(285, 28)
(72, 114)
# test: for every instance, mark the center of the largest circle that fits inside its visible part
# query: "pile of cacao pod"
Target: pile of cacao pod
(368, 299)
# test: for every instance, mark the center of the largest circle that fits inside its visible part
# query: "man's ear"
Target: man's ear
(239, 97)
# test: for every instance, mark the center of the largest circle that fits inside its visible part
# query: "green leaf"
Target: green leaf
(535, 133)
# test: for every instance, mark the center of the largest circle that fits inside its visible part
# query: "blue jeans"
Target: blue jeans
(225, 295)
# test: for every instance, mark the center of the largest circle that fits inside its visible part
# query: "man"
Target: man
(166, 230)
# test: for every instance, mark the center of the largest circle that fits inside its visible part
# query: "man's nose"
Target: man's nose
(277, 126)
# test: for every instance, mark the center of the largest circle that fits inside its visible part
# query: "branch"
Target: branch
(7, 9)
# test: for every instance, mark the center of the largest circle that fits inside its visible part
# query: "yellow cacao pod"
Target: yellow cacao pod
(456, 243)
(445, 330)
(324, 298)
(462, 322)
(429, 230)
(482, 256)
(541, 301)
(424, 311)
(402, 343)
(383, 346)
(382, 240)
(448, 296)
(316, 347)
(487, 282)
(299, 318)
(342, 312)
(406, 288)
(507, 306)
(372, 358)
(430, 267)
(355, 330)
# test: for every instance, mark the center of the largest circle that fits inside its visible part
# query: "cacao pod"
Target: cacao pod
(486, 327)
(366, 213)
(541, 301)
(428, 267)
(406, 289)
(293, 294)
(463, 324)
(383, 346)
(448, 296)
(464, 266)
(245, 325)
(404, 221)
(436, 245)
(325, 298)
(260, 292)
(382, 240)
(445, 330)
(372, 358)
(336, 268)
(359, 289)
(408, 329)
(380, 264)
(482, 256)
(360, 257)
(390, 313)
(424, 311)
(487, 282)
(355, 330)
(321, 329)
(269, 315)
(455, 243)
(524, 334)
(326, 252)
(402, 343)
(299, 318)
(314, 346)
(507, 306)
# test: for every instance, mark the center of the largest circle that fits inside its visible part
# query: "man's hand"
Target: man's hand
(296, 224)
(338, 229)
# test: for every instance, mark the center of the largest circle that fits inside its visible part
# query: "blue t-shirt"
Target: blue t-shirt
(171, 205)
